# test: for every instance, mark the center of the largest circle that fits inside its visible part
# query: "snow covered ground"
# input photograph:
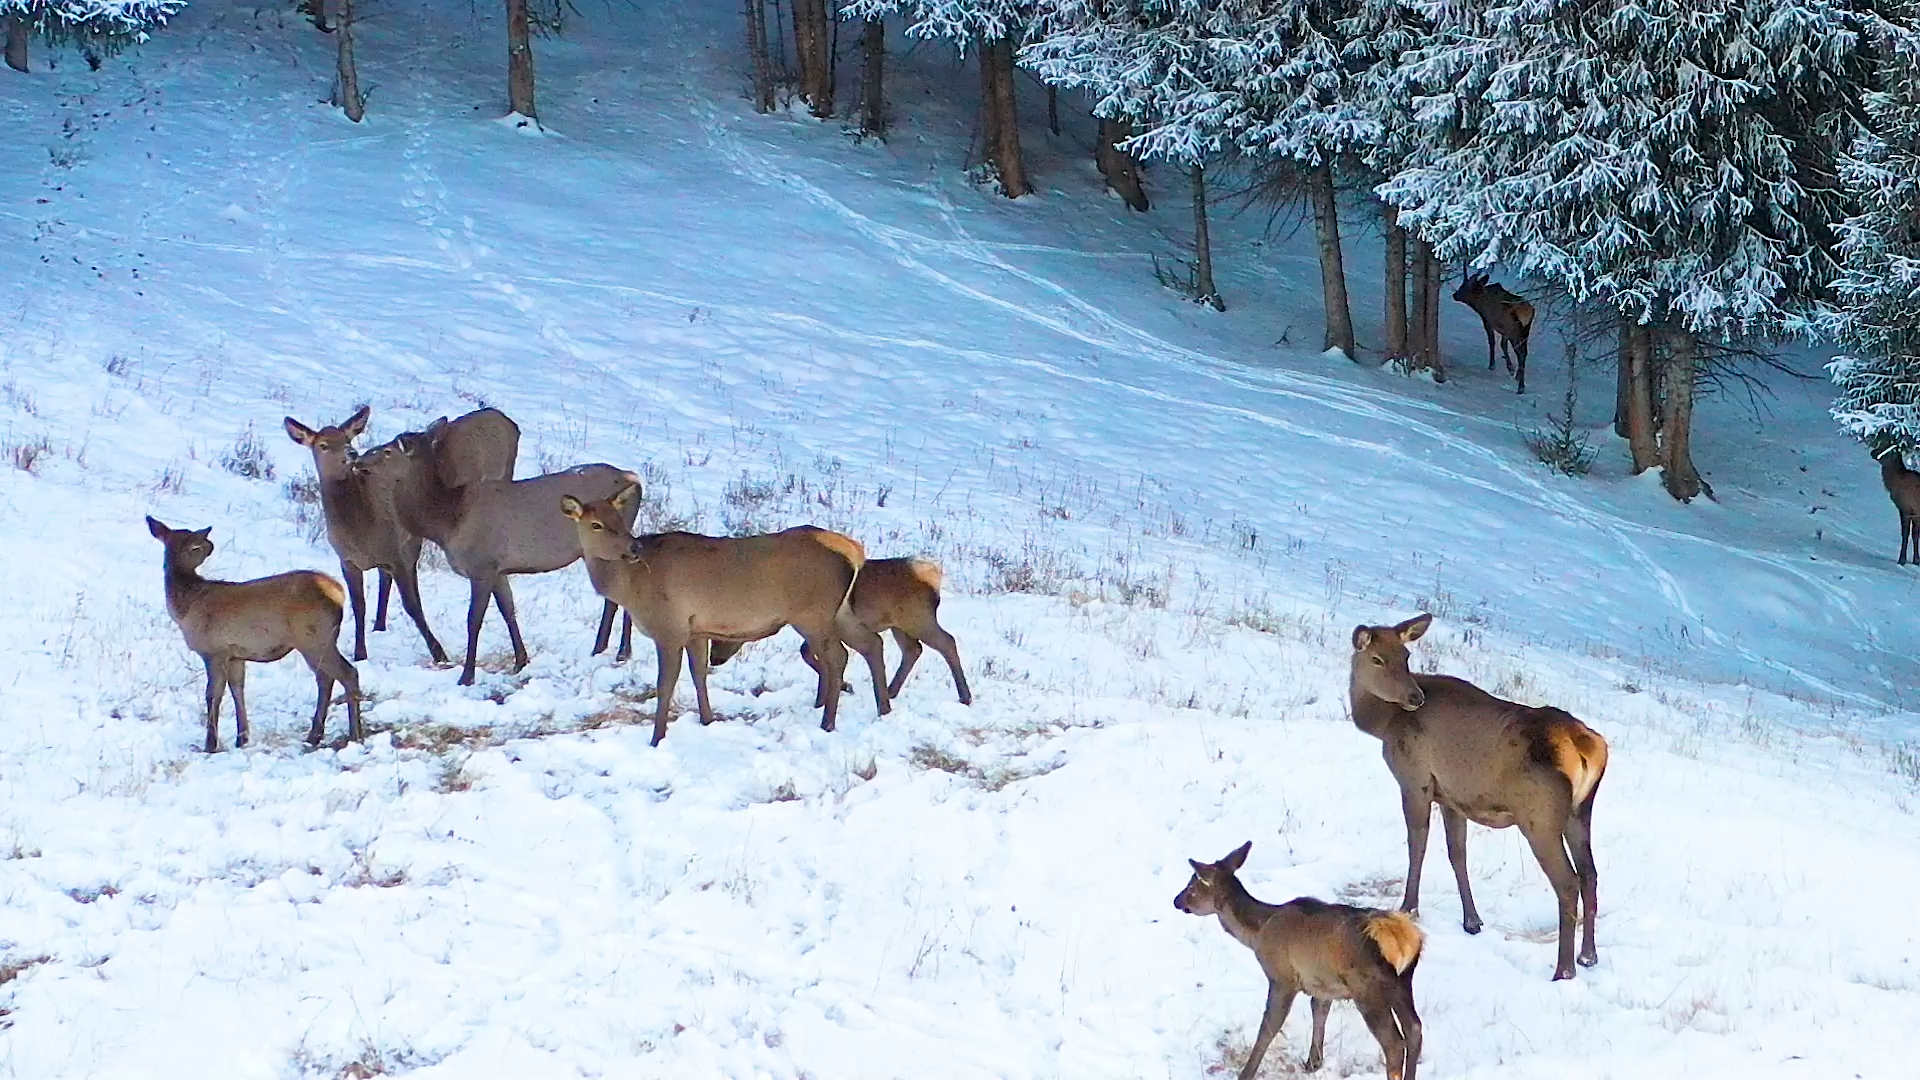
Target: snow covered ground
(1159, 525)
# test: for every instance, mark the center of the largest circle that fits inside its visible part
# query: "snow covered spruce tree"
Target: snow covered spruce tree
(1266, 77)
(1878, 315)
(992, 29)
(1673, 160)
(99, 28)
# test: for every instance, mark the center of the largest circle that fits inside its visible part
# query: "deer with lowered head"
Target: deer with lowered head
(490, 529)
(686, 591)
(1334, 952)
(1903, 487)
(362, 523)
(232, 623)
(1494, 762)
(1505, 316)
(897, 595)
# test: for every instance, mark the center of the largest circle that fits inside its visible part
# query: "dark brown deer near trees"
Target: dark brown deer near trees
(686, 591)
(1506, 317)
(1486, 760)
(490, 529)
(229, 623)
(1903, 487)
(1334, 952)
(898, 595)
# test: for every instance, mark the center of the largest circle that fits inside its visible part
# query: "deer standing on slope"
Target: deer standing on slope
(1505, 316)
(1335, 952)
(900, 595)
(1486, 760)
(1903, 487)
(229, 623)
(686, 591)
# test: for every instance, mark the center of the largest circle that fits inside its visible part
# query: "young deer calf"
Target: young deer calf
(1903, 487)
(1334, 952)
(232, 622)
(900, 595)
(1486, 760)
(685, 591)
(1503, 315)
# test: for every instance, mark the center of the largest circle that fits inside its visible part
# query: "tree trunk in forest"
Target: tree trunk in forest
(873, 102)
(1676, 457)
(1431, 330)
(1417, 346)
(757, 53)
(1396, 275)
(346, 84)
(16, 42)
(1333, 273)
(1118, 166)
(1000, 117)
(1638, 345)
(813, 41)
(1203, 244)
(1053, 108)
(519, 60)
(1623, 380)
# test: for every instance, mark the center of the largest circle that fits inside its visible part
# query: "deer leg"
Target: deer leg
(1409, 1019)
(820, 677)
(697, 656)
(909, 655)
(330, 667)
(237, 686)
(948, 648)
(1490, 344)
(1279, 1003)
(503, 599)
(625, 652)
(833, 655)
(357, 595)
(479, 592)
(1579, 837)
(605, 632)
(408, 578)
(216, 689)
(323, 700)
(1520, 350)
(1418, 808)
(874, 651)
(385, 577)
(1317, 1053)
(1455, 823)
(1379, 1017)
(663, 685)
(1549, 847)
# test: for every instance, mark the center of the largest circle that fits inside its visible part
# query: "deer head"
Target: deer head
(1206, 891)
(602, 525)
(186, 548)
(330, 445)
(1380, 661)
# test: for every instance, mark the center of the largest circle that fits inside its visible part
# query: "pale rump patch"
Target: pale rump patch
(332, 590)
(928, 572)
(844, 546)
(1397, 938)
(1581, 756)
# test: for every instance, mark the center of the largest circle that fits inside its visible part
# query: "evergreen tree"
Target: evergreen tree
(99, 28)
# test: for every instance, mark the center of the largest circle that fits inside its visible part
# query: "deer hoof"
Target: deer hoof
(1562, 973)
(1589, 959)
(1471, 926)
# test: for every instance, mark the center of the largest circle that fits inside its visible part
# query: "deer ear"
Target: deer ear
(572, 507)
(1236, 859)
(1414, 628)
(297, 431)
(626, 496)
(1362, 637)
(159, 531)
(357, 423)
(1199, 868)
(203, 533)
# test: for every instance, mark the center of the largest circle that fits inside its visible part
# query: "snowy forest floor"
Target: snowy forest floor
(1159, 524)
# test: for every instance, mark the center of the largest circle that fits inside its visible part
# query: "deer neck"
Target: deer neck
(1892, 467)
(1242, 916)
(432, 509)
(184, 587)
(1371, 714)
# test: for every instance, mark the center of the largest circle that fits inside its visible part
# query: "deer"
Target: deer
(363, 526)
(1504, 315)
(1903, 487)
(490, 529)
(1494, 762)
(229, 623)
(685, 591)
(1335, 952)
(897, 595)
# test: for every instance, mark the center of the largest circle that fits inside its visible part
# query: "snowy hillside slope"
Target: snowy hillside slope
(1159, 527)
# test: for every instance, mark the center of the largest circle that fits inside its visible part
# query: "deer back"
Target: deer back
(481, 445)
(738, 587)
(1337, 952)
(896, 592)
(516, 526)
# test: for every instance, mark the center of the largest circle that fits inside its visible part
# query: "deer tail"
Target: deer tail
(1397, 938)
(335, 592)
(847, 548)
(1581, 756)
(928, 572)
(1523, 314)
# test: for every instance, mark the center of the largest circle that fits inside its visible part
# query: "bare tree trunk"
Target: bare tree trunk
(813, 40)
(519, 60)
(1418, 348)
(873, 102)
(1640, 428)
(1396, 276)
(1431, 331)
(1623, 381)
(1000, 117)
(1118, 166)
(346, 86)
(757, 52)
(1676, 456)
(16, 42)
(1053, 108)
(1203, 244)
(1333, 273)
